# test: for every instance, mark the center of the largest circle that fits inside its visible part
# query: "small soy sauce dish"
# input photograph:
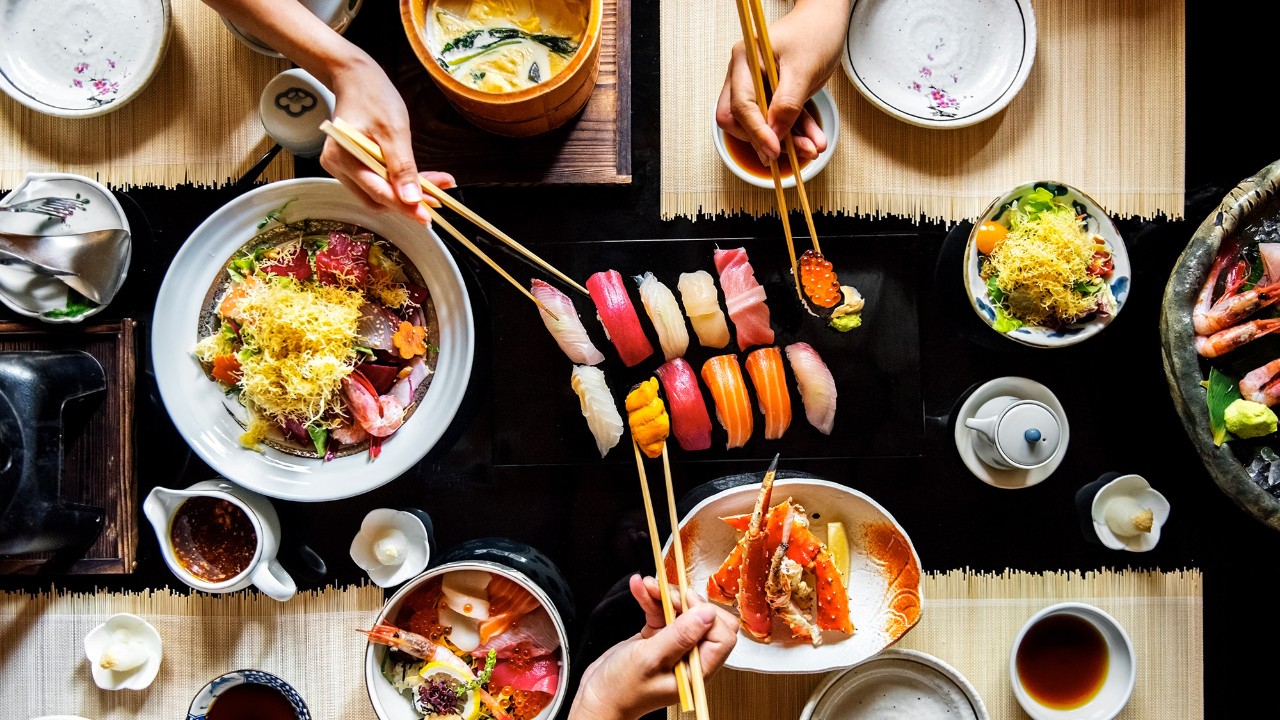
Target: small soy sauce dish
(245, 693)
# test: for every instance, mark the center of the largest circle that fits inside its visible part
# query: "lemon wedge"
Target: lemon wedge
(838, 547)
(437, 670)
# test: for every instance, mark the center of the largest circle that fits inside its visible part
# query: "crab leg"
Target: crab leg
(754, 612)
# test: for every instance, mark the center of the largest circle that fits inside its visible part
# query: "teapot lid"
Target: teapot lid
(1028, 434)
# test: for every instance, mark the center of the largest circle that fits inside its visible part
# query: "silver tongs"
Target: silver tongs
(90, 263)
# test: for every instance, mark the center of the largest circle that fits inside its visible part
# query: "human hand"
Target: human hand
(637, 675)
(807, 43)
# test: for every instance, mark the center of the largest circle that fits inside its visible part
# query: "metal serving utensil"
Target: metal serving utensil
(89, 263)
(52, 206)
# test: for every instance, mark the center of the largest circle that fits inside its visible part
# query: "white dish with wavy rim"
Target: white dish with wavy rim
(1021, 388)
(131, 629)
(80, 58)
(1133, 488)
(196, 405)
(879, 588)
(1122, 667)
(896, 684)
(34, 295)
(828, 118)
(1097, 222)
(940, 63)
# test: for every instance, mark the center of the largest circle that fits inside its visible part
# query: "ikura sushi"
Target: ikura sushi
(744, 297)
(663, 310)
(598, 407)
(817, 387)
(702, 305)
(723, 376)
(618, 316)
(647, 416)
(690, 422)
(568, 331)
(764, 366)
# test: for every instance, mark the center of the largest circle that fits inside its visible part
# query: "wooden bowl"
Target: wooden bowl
(532, 111)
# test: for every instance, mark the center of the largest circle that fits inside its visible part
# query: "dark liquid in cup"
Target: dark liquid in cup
(744, 156)
(1063, 661)
(214, 539)
(251, 701)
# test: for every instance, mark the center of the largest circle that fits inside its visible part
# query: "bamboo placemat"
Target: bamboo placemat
(196, 121)
(1103, 109)
(311, 642)
(970, 621)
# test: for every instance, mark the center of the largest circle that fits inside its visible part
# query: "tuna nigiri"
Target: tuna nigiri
(664, 312)
(690, 422)
(647, 416)
(764, 366)
(723, 377)
(744, 297)
(702, 305)
(817, 387)
(618, 316)
(598, 407)
(568, 331)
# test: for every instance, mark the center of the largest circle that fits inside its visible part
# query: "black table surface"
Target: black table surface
(501, 472)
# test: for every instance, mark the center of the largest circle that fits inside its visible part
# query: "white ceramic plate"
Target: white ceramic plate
(940, 63)
(41, 296)
(893, 685)
(78, 58)
(829, 119)
(884, 592)
(195, 403)
(1097, 221)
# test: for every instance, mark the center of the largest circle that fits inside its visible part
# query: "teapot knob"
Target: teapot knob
(1031, 435)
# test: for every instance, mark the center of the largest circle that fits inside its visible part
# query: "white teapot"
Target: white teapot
(1015, 434)
(225, 541)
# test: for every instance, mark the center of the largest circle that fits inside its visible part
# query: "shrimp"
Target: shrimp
(1230, 309)
(1204, 301)
(418, 646)
(380, 416)
(1224, 341)
(1261, 385)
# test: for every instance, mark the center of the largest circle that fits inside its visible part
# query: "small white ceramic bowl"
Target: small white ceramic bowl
(1121, 668)
(138, 636)
(1110, 509)
(828, 118)
(896, 683)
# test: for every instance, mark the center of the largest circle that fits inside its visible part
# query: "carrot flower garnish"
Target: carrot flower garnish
(410, 340)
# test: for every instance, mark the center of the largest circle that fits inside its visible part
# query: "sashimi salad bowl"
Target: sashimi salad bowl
(473, 640)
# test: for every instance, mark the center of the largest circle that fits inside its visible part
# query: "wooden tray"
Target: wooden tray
(593, 149)
(98, 464)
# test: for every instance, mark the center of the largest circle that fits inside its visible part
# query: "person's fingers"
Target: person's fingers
(719, 640)
(724, 110)
(746, 109)
(402, 172)
(674, 641)
(807, 130)
(646, 594)
(442, 180)
(786, 104)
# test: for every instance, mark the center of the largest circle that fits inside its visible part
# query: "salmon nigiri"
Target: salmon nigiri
(618, 315)
(817, 386)
(770, 380)
(723, 377)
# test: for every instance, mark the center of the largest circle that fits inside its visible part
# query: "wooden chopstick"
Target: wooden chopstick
(452, 203)
(677, 547)
(668, 610)
(357, 148)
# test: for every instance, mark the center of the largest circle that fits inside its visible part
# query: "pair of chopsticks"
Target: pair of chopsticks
(368, 152)
(689, 680)
(755, 36)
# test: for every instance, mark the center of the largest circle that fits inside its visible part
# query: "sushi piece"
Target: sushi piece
(764, 366)
(723, 377)
(568, 331)
(618, 315)
(598, 407)
(817, 387)
(664, 312)
(744, 297)
(647, 416)
(690, 422)
(702, 305)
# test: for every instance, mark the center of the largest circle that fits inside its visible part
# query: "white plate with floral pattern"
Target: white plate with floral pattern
(940, 63)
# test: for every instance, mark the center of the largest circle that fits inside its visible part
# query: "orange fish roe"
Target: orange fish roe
(526, 704)
(819, 280)
(521, 657)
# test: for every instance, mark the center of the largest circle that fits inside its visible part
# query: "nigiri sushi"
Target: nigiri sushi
(690, 422)
(618, 315)
(764, 366)
(702, 305)
(568, 331)
(723, 377)
(664, 312)
(817, 387)
(597, 406)
(744, 297)
(648, 418)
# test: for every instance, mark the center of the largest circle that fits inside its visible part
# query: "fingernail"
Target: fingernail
(410, 193)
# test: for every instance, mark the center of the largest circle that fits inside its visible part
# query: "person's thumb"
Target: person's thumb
(677, 639)
(402, 172)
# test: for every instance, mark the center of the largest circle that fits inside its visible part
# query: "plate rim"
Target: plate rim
(920, 657)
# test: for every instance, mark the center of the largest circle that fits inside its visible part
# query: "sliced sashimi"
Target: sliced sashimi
(690, 422)
(287, 260)
(532, 635)
(598, 407)
(723, 376)
(817, 386)
(536, 675)
(618, 315)
(744, 297)
(508, 602)
(344, 261)
(702, 305)
(664, 312)
(566, 327)
(764, 366)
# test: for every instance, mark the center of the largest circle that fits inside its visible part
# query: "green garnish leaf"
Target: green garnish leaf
(364, 350)
(77, 305)
(1221, 391)
(1005, 322)
(320, 437)
(431, 348)
(481, 680)
(1087, 288)
(275, 215)
(993, 288)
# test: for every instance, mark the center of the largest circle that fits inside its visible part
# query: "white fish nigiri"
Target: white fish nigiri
(817, 387)
(598, 406)
(568, 331)
(663, 310)
(702, 305)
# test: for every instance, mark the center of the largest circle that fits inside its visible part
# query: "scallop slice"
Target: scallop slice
(466, 592)
(465, 632)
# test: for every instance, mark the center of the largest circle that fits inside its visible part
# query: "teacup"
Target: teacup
(268, 695)
(1072, 660)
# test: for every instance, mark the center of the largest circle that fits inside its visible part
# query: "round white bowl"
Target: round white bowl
(199, 408)
(830, 121)
(896, 683)
(1122, 670)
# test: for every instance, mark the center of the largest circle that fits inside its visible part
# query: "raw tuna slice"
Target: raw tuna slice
(290, 260)
(542, 675)
(744, 297)
(343, 262)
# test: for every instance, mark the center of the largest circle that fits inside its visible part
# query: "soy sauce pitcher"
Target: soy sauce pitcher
(1015, 434)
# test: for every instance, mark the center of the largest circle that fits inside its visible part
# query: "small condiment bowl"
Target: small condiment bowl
(828, 118)
(203, 700)
(1088, 659)
(392, 546)
(131, 630)
(1113, 508)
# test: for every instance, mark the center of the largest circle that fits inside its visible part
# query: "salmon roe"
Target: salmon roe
(819, 280)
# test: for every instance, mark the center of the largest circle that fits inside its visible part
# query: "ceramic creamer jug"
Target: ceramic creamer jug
(219, 537)
(1015, 434)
